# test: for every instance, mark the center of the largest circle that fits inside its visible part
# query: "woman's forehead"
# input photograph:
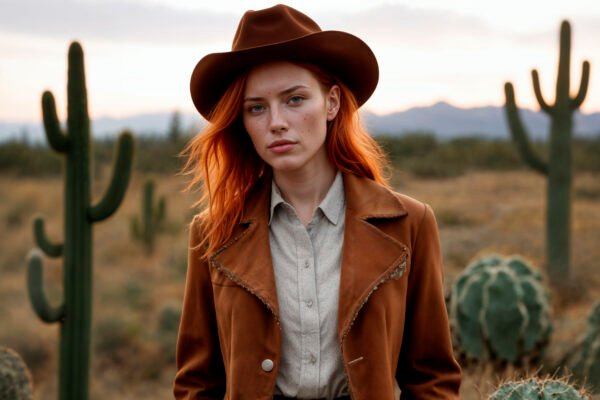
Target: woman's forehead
(277, 76)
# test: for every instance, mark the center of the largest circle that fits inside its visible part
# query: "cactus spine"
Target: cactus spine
(537, 389)
(152, 218)
(499, 311)
(559, 167)
(15, 379)
(75, 313)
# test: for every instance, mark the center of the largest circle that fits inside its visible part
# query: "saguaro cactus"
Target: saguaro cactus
(146, 228)
(75, 313)
(559, 166)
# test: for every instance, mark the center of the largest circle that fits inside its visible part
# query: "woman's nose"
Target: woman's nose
(278, 123)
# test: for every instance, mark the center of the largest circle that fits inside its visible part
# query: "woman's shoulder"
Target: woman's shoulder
(196, 228)
(375, 198)
(415, 208)
(196, 222)
(411, 204)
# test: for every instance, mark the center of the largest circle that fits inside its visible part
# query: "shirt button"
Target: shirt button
(309, 303)
(306, 264)
(267, 365)
(312, 359)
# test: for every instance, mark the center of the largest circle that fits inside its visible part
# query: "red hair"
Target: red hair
(223, 162)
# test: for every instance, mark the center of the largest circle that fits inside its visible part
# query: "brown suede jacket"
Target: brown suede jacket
(392, 321)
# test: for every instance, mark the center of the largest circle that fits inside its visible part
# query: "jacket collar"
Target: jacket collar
(331, 206)
(369, 255)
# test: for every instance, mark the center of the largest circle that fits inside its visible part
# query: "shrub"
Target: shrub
(168, 326)
(23, 160)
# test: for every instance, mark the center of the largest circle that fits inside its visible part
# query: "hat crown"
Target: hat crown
(277, 24)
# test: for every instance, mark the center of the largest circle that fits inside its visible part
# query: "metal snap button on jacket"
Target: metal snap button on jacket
(267, 365)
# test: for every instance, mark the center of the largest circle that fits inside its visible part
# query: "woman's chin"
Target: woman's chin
(285, 169)
(286, 166)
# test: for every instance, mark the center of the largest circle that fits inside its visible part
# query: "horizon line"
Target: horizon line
(362, 110)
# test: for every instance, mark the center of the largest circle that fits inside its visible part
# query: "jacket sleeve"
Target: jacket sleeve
(427, 368)
(200, 371)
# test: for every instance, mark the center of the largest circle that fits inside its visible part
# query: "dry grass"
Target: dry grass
(478, 213)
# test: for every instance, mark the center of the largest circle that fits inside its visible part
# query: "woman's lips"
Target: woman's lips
(281, 146)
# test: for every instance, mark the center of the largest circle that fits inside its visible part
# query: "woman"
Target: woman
(307, 276)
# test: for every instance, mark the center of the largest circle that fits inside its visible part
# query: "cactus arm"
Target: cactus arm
(78, 118)
(160, 212)
(40, 304)
(563, 81)
(538, 93)
(583, 86)
(135, 228)
(518, 132)
(51, 249)
(57, 139)
(120, 179)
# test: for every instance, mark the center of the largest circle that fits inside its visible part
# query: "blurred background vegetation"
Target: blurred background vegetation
(418, 153)
(486, 200)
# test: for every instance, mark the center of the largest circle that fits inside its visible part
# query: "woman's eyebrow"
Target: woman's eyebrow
(282, 93)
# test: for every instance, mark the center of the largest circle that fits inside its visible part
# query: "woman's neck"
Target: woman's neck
(305, 189)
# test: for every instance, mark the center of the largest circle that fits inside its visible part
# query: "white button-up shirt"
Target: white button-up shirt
(307, 264)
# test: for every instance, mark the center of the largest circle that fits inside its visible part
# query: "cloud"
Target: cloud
(137, 21)
(143, 21)
(114, 20)
(399, 24)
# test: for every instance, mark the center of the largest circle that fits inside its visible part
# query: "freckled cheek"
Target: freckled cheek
(312, 120)
(316, 125)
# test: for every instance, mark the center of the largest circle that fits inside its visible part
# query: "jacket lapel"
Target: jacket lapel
(369, 255)
(246, 258)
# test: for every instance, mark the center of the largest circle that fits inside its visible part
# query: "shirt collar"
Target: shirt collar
(276, 199)
(331, 206)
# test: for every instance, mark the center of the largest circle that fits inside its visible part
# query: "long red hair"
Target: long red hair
(224, 164)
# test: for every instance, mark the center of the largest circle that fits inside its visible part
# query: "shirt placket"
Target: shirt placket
(309, 314)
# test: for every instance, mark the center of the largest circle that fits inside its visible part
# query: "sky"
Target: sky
(139, 54)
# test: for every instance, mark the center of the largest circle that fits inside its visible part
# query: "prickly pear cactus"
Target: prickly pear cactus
(584, 362)
(15, 379)
(500, 311)
(537, 389)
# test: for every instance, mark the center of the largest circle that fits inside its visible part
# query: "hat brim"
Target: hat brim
(344, 55)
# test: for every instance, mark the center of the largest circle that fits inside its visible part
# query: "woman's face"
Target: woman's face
(285, 112)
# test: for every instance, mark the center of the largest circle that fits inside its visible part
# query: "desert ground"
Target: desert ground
(478, 213)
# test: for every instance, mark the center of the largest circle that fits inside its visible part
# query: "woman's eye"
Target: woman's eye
(255, 108)
(294, 100)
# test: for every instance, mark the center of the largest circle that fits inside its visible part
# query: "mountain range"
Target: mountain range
(443, 120)
(446, 121)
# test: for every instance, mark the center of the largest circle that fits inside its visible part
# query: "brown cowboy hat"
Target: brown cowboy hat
(283, 33)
